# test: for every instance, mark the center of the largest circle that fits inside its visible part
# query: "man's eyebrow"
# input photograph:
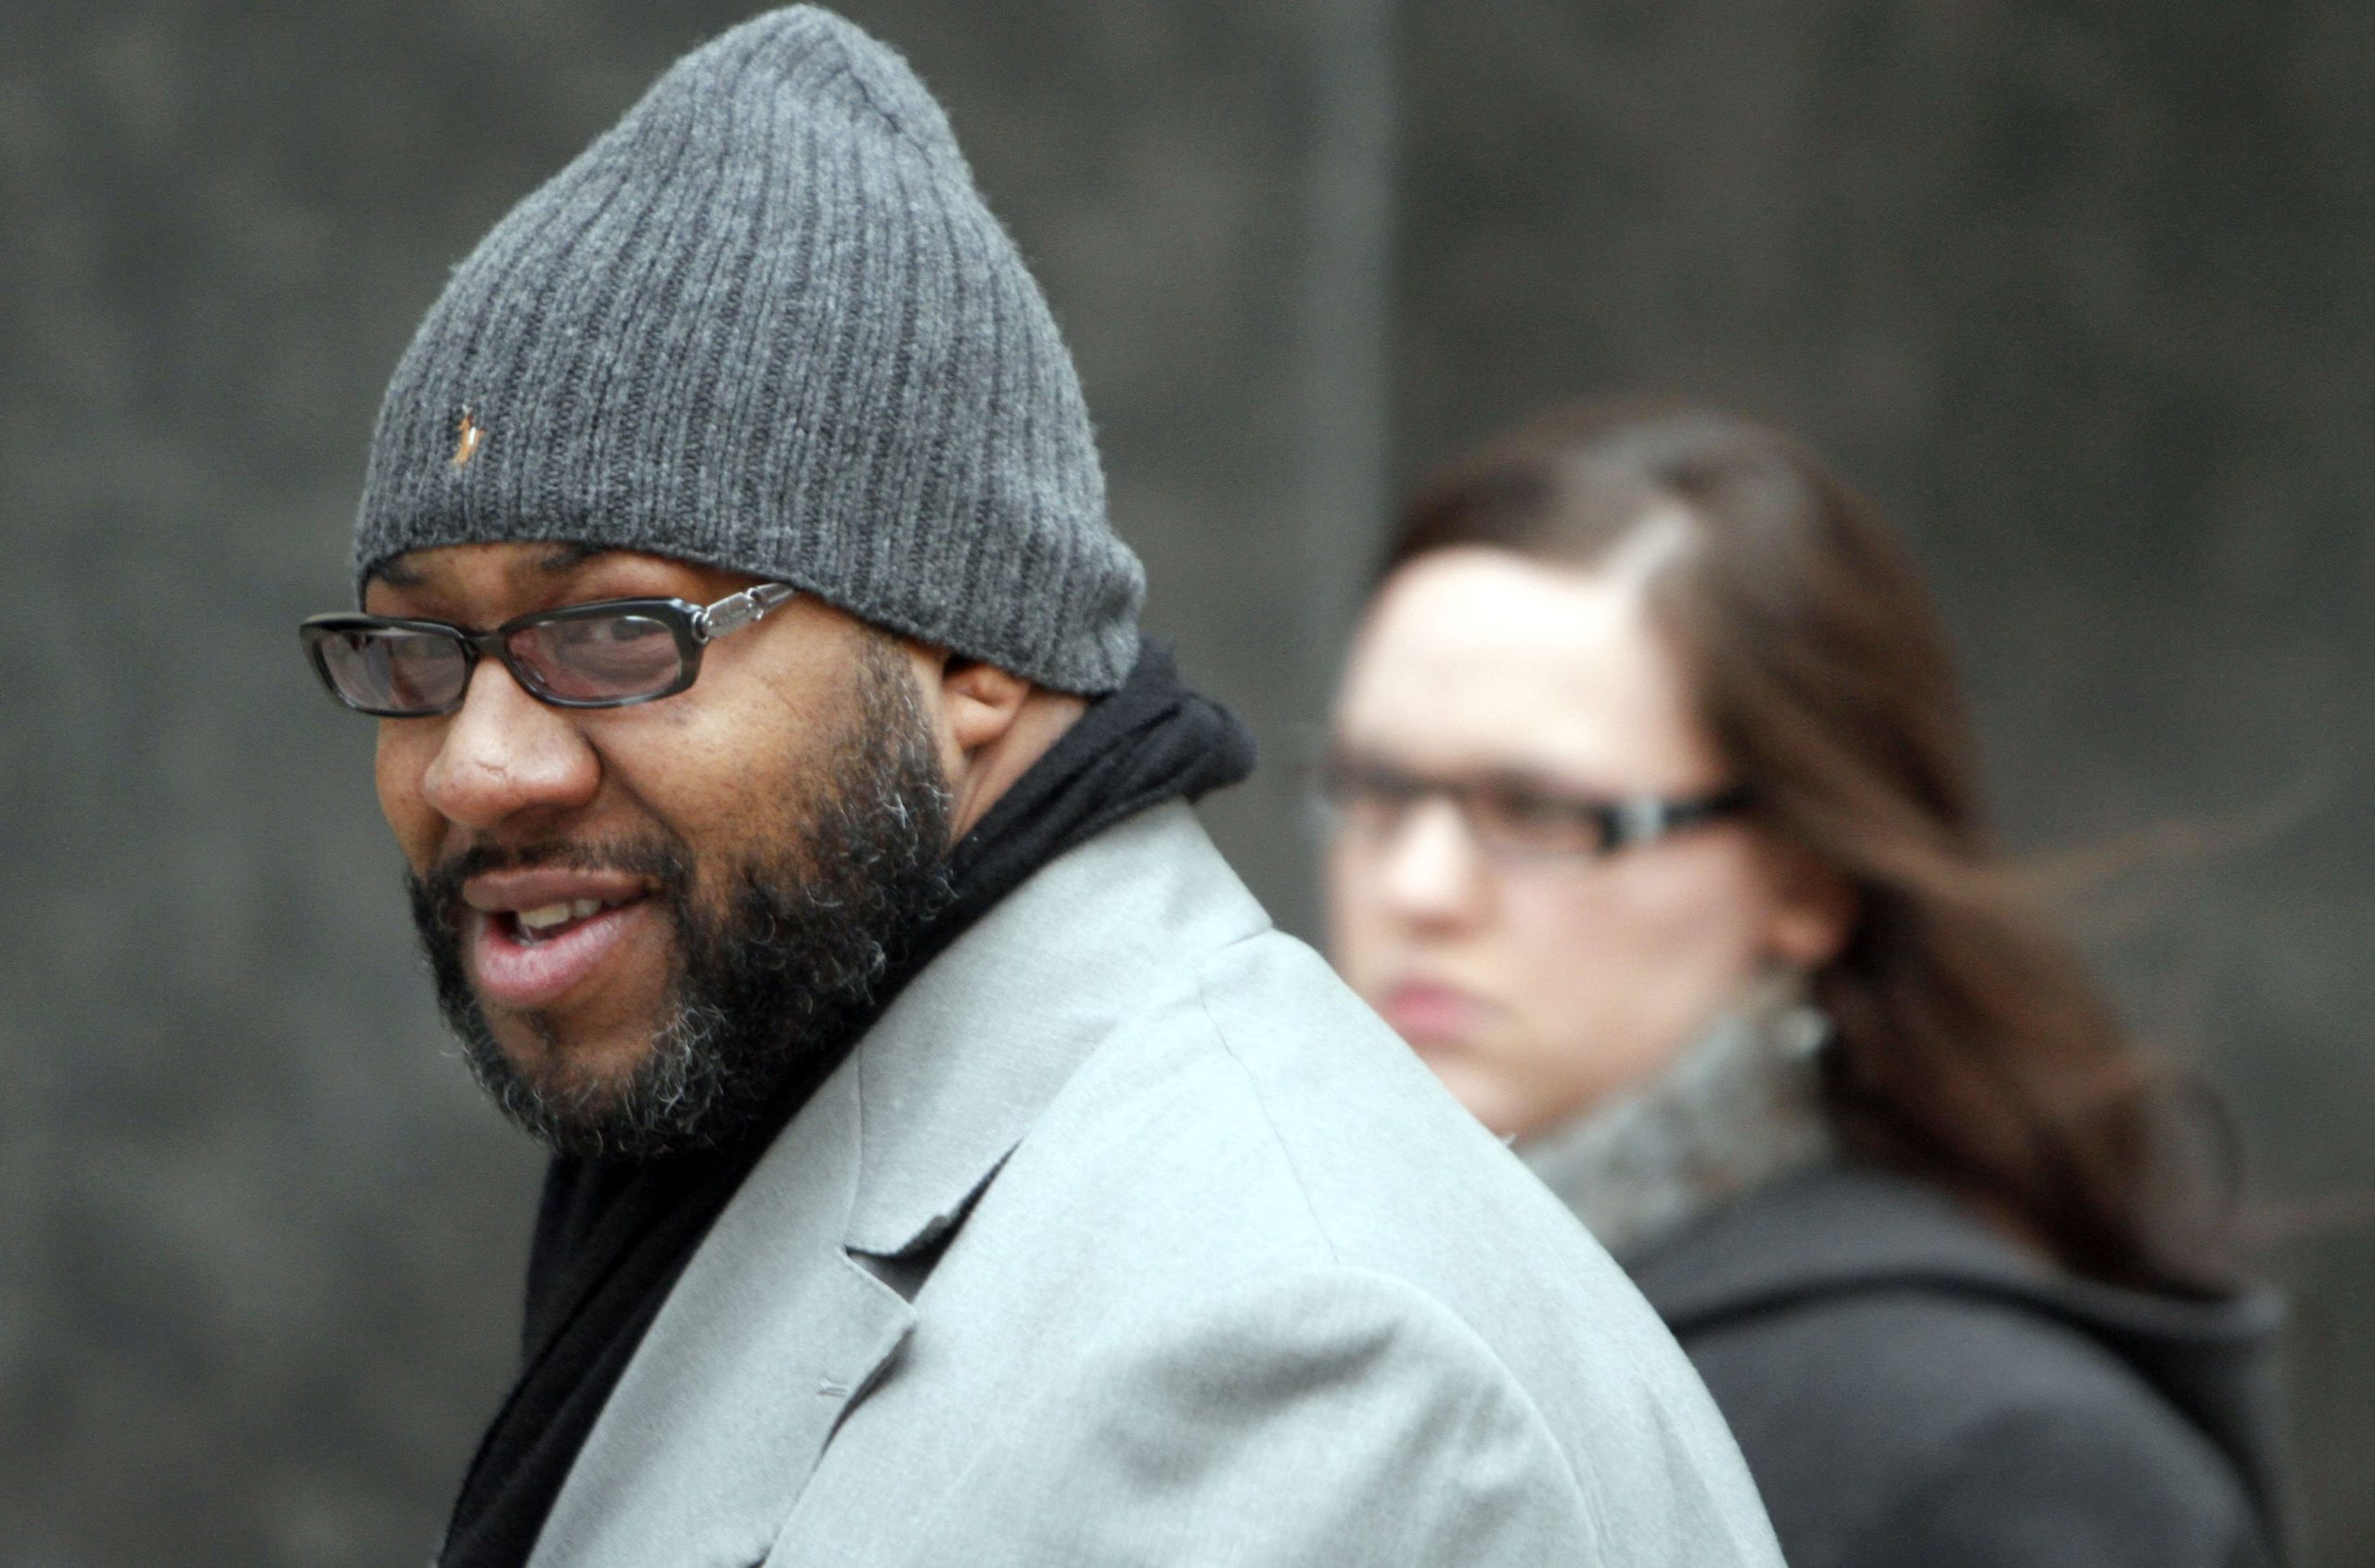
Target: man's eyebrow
(568, 556)
(556, 559)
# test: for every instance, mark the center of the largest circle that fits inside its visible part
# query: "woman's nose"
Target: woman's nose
(505, 753)
(1433, 873)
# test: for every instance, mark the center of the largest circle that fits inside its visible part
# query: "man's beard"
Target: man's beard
(763, 988)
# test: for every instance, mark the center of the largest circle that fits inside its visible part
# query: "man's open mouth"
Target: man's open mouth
(543, 932)
(546, 921)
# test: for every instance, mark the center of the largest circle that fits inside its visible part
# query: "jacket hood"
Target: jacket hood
(1843, 1230)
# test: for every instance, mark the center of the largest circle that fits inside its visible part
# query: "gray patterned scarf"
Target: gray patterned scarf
(1738, 1108)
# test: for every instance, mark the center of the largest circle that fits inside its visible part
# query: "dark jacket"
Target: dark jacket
(1910, 1390)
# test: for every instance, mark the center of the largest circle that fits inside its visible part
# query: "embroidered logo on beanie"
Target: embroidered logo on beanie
(466, 436)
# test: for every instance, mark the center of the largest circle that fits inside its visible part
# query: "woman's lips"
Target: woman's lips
(1427, 1013)
(516, 973)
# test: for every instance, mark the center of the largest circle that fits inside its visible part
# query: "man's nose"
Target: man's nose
(505, 753)
(1434, 874)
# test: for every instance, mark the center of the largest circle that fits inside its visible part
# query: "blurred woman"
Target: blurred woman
(1656, 836)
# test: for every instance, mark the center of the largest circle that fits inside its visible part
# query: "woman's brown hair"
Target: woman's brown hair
(1971, 1049)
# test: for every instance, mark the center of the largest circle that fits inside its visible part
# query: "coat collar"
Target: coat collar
(1843, 1228)
(1829, 1229)
(954, 1074)
(1846, 1230)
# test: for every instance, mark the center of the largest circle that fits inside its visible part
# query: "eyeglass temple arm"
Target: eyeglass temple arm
(738, 610)
(1639, 821)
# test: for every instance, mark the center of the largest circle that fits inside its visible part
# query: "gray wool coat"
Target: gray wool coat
(1129, 1235)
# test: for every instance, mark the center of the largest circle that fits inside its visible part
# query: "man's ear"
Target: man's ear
(990, 725)
(979, 702)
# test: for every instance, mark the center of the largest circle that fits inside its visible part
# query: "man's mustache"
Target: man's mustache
(665, 865)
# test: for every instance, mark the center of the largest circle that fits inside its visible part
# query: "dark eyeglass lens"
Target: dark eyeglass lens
(388, 669)
(595, 658)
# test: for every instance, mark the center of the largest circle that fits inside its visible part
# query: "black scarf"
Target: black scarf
(612, 1235)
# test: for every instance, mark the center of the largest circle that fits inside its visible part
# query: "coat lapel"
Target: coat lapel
(769, 1337)
(956, 1073)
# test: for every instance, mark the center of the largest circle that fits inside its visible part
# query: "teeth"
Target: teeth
(535, 924)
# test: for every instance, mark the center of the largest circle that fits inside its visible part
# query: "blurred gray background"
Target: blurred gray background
(2081, 289)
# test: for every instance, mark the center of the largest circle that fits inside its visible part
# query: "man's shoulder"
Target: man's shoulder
(1258, 1073)
(1257, 1161)
(1130, 1073)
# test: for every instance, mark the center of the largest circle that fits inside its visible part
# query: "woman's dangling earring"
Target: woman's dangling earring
(1801, 1030)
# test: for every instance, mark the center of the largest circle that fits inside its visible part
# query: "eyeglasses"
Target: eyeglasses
(608, 654)
(1508, 819)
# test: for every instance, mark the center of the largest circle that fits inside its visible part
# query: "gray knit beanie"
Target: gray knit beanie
(766, 323)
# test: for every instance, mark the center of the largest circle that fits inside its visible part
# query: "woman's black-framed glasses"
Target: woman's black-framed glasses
(1509, 820)
(608, 654)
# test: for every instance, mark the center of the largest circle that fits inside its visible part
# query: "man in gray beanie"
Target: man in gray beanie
(951, 1165)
